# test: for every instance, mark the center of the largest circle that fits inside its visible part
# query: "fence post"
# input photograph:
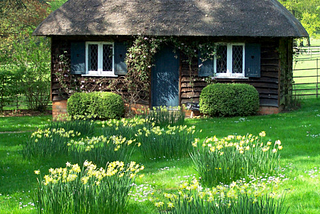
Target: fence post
(317, 77)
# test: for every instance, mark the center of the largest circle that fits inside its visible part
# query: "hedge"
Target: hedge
(229, 100)
(99, 105)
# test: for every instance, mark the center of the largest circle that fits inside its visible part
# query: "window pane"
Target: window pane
(93, 57)
(107, 57)
(237, 58)
(222, 59)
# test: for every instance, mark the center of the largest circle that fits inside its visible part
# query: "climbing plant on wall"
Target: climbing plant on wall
(135, 85)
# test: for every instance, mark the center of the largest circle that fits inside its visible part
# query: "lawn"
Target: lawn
(299, 132)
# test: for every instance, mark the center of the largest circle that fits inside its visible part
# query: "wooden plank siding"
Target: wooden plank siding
(270, 91)
(267, 85)
(58, 47)
(62, 46)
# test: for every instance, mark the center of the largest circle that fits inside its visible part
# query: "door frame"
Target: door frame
(179, 76)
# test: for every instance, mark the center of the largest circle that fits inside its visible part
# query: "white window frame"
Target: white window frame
(100, 71)
(229, 73)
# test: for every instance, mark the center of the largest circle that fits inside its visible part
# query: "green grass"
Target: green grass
(299, 132)
(22, 124)
(315, 42)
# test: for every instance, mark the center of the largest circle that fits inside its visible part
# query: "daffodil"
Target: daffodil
(262, 134)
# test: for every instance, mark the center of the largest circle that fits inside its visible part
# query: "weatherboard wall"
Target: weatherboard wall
(190, 84)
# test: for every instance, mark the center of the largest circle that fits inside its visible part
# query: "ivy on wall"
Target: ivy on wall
(134, 87)
(136, 83)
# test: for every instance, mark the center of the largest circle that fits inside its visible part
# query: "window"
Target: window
(99, 59)
(233, 60)
(229, 60)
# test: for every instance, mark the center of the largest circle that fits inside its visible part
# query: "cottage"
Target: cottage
(253, 44)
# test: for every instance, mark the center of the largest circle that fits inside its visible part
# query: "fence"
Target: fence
(306, 71)
(308, 52)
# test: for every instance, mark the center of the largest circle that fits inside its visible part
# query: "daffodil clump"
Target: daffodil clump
(124, 127)
(261, 196)
(102, 149)
(48, 142)
(84, 125)
(132, 122)
(164, 116)
(168, 142)
(235, 157)
(88, 189)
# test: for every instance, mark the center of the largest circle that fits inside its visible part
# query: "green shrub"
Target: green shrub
(10, 86)
(229, 100)
(102, 105)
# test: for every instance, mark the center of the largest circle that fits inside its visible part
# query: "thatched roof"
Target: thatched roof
(265, 18)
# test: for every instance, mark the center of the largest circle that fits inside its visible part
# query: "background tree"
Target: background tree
(307, 12)
(24, 59)
(18, 19)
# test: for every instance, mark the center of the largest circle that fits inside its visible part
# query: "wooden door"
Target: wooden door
(165, 78)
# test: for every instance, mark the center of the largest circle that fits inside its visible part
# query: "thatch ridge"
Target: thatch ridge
(257, 18)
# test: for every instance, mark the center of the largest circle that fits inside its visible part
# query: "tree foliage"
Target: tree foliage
(307, 12)
(23, 55)
(18, 19)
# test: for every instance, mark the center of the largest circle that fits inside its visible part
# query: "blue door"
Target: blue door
(165, 78)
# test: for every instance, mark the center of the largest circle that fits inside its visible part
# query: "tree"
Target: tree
(18, 19)
(307, 12)
(22, 54)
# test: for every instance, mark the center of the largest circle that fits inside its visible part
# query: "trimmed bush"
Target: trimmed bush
(229, 100)
(99, 105)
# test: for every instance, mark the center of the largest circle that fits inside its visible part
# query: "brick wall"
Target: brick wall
(265, 110)
(59, 109)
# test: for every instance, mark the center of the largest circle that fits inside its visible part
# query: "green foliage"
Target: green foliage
(235, 157)
(229, 100)
(169, 142)
(84, 126)
(239, 197)
(124, 127)
(154, 142)
(100, 105)
(140, 57)
(33, 63)
(163, 116)
(299, 168)
(46, 143)
(25, 55)
(18, 19)
(52, 140)
(101, 149)
(9, 86)
(307, 12)
(192, 48)
(27, 72)
(88, 190)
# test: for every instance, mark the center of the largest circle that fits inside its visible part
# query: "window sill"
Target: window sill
(99, 75)
(231, 77)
